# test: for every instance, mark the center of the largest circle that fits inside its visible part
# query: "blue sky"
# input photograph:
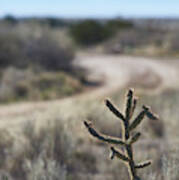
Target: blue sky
(91, 8)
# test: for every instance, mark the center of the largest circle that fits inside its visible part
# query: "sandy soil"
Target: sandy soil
(114, 71)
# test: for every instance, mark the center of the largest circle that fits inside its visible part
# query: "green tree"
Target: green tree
(88, 32)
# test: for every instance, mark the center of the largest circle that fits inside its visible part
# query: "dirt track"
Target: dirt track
(119, 71)
(114, 71)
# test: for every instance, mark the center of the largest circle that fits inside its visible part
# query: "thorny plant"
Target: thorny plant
(128, 137)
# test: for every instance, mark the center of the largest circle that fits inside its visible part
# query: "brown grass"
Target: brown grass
(58, 142)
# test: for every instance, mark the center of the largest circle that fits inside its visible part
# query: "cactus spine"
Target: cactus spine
(127, 139)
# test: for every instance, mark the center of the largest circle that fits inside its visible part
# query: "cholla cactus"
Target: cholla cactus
(128, 138)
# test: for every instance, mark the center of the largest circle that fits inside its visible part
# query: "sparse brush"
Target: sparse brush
(128, 138)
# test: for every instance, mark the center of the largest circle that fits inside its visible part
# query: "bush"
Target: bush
(129, 40)
(91, 32)
(88, 32)
(11, 50)
(55, 85)
(46, 52)
(55, 22)
(19, 84)
(39, 46)
(10, 80)
(10, 19)
(45, 154)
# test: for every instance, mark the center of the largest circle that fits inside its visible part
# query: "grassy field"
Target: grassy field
(52, 142)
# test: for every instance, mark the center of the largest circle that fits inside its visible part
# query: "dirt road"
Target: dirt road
(119, 71)
(114, 71)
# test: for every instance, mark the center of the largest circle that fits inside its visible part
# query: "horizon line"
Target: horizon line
(91, 16)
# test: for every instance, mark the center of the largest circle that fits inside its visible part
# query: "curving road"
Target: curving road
(114, 71)
(119, 71)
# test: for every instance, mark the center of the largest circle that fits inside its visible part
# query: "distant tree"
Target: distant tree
(117, 24)
(88, 32)
(56, 22)
(10, 19)
(91, 32)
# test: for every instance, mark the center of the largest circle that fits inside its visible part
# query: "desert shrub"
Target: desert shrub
(130, 39)
(39, 47)
(50, 152)
(54, 85)
(11, 50)
(55, 141)
(6, 145)
(88, 32)
(45, 154)
(52, 170)
(17, 84)
(11, 79)
(47, 53)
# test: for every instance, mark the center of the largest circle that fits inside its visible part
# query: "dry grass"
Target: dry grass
(25, 85)
(56, 145)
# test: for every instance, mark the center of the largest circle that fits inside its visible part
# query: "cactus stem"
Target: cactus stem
(127, 140)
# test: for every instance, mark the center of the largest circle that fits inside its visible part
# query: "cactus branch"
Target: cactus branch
(149, 113)
(109, 139)
(143, 165)
(118, 154)
(133, 106)
(134, 138)
(127, 140)
(113, 109)
(129, 104)
(137, 120)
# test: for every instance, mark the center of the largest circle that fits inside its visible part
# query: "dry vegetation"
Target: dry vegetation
(56, 145)
(48, 141)
(36, 62)
(25, 85)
